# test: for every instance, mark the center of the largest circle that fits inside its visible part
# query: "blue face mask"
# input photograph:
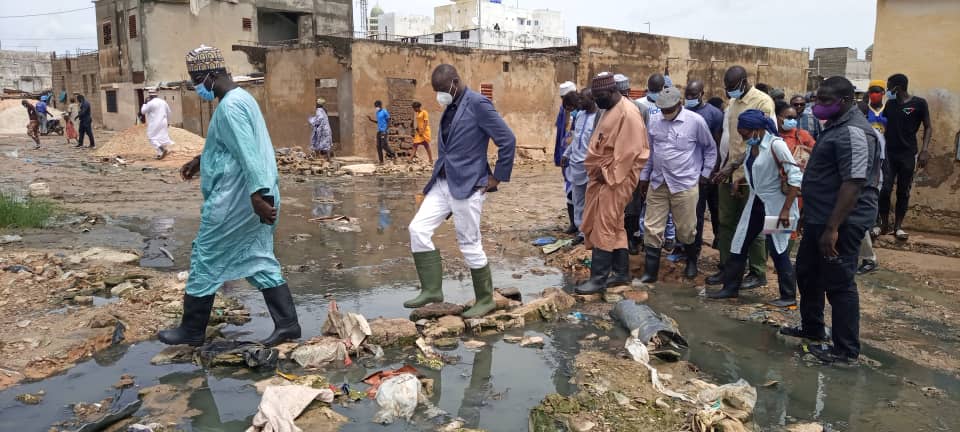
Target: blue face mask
(753, 141)
(691, 103)
(789, 124)
(735, 94)
(204, 93)
(653, 96)
(891, 94)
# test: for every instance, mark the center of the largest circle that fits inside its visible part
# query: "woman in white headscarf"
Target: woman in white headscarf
(321, 141)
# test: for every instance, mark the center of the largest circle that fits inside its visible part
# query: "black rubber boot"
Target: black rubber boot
(284, 314)
(651, 267)
(632, 225)
(600, 265)
(572, 229)
(193, 325)
(693, 255)
(731, 289)
(621, 268)
(788, 289)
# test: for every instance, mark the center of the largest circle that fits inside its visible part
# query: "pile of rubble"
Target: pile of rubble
(296, 161)
(101, 298)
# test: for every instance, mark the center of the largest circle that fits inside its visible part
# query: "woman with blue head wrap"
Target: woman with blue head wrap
(768, 158)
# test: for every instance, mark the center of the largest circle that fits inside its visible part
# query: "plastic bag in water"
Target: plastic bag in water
(646, 324)
(397, 398)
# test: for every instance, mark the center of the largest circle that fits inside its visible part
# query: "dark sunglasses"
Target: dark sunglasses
(790, 118)
(799, 105)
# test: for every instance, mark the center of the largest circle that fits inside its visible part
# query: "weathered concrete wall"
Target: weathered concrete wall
(78, 74)
(365, 69)
(128, 106)
(638, 55)
(935, 204)
(27, 71)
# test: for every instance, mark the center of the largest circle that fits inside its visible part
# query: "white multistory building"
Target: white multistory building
(477, 23)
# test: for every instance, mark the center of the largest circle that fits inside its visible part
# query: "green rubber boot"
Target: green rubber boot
(430, 272)
(483, 291)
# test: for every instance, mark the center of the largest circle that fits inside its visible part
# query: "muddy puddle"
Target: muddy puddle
(367, 268)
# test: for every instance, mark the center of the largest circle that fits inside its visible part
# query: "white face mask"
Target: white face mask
(445, 98)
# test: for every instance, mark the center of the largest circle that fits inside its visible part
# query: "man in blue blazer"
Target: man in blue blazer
(461, 178)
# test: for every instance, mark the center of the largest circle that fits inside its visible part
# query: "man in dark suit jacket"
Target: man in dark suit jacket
(461, 178)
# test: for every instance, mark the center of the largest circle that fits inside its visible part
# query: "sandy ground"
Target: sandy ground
(910, 309)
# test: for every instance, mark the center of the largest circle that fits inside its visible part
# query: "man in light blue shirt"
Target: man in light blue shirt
(382, 121)
(682, 152)
(576, 154)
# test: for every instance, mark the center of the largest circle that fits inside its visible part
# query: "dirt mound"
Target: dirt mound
(132, 144)
(13, 116)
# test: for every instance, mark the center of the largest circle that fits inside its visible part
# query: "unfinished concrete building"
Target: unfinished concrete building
(77, 74)
(841, 61)
(24, 71)
(141, 43)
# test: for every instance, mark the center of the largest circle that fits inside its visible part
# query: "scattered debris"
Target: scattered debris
(320, 351)
(39, 189)
(349, 326)
(5, 239)
(392, 332)
(31, 398)
(375, 379)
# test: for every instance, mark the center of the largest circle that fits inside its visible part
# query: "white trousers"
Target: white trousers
(436, 206)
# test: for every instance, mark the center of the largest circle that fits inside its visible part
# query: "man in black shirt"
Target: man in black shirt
(840, 188)
(905, 113)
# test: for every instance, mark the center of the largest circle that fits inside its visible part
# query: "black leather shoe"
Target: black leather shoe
(193, 325)
(829, 355)
(715, 279)
(868, 266)
(728, 291)
(783, 303)
(753, 281)
(799, 332)
(284, 314)
(651, 266)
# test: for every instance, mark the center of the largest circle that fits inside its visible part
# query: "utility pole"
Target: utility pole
(479, 23)
(648, 27)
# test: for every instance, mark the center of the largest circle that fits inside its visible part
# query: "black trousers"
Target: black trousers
(86, 128)
(709, 198)
(899, 169)
(834, 277)
(383, 147)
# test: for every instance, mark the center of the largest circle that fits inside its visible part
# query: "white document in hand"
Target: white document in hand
(770, 225)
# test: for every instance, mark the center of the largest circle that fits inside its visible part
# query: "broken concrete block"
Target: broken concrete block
(360, 169)
(446, 343)
(511, 293)
(106, 255)
(436, 310)
(552, 301)
(392, 332)
(39, 189)
(445, 326)
(121, 289)
(531, 342)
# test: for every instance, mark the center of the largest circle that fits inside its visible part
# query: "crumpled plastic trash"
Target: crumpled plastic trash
(280, 405)
(319, 351)
(397, 398)
(557, 245)
(349, 326)
(237, 353)
(543, 241)
(735, 399)
(375, 379)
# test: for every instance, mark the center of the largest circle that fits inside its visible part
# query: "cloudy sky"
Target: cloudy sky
(777, 23)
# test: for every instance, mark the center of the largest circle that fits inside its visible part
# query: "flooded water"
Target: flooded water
(371, 272)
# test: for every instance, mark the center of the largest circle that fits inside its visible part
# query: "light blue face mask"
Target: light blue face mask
(789, 124)
(753, 141)
(735, 94)
(691, 103)
(891, 94)
(204, 93)
(653, 96)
